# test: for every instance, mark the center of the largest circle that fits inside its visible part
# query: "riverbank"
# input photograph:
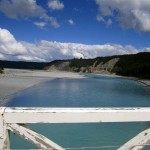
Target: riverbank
(144, 82)
(16, 80)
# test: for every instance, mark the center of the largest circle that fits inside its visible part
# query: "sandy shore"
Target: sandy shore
(16, 80)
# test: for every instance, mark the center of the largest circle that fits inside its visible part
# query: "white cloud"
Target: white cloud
(54, 22)
(8, 44)
(146, 49)
(71, 22)
(100, 18)
(47, 50)
(2, 57)
(108, 22)
(40, 24)
(20, 9)
(29, 58)
(129, 13)
(11, 49)
(55, 5)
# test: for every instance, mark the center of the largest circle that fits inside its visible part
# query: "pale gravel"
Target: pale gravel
(16, 80)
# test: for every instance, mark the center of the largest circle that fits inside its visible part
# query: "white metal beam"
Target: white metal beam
(11, 116)
(138, 142)
(4, 133)
(39, 140)
(75, 115)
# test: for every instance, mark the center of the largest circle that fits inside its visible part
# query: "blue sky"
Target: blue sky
(44, 30)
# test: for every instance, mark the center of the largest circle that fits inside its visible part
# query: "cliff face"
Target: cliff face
(96, 67)
(59, 66)
(108, 66)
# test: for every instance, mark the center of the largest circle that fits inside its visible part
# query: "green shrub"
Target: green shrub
(1, 70)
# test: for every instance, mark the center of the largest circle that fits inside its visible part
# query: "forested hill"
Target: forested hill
(135, 65)
(22, 65)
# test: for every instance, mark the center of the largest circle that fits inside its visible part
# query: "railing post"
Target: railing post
(4, 133)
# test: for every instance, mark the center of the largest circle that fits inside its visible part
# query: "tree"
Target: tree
(1, 70)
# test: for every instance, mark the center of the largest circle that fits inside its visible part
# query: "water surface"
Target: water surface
(96, 91)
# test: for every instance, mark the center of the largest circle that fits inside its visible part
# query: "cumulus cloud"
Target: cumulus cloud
(55, 5)
(20, 9)
(8, 44)
(11, 49)
(71, 22)
(129, 13)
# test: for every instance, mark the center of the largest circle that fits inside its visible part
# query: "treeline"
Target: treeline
(137, 65)
(22, 65)
(90, 62)
(134, 65)
(1, 70)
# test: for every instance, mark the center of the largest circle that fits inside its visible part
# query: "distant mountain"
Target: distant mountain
(134, 65)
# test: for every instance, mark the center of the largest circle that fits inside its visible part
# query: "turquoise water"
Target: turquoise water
(96, 91)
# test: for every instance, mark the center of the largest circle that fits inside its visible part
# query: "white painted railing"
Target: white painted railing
(12, 119)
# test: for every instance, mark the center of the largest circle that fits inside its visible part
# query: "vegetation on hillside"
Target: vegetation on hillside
(22, 65)
(1, 70)
(90, 62)
(135, 65)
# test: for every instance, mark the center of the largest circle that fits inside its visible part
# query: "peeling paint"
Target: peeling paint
(39, 140)
(15, 119)
(138, 142)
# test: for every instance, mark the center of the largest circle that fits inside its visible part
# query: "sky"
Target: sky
(45, 30)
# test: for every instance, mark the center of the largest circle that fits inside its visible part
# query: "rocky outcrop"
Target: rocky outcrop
(108, 66)
(102, 67)
(59, 66)
(95, 68)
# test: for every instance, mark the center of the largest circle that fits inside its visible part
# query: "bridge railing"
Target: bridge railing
(13, 119)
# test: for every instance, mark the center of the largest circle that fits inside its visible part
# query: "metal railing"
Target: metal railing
(13, 119)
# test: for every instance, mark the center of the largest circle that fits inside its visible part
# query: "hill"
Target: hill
(22, 65)
(135, 65)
